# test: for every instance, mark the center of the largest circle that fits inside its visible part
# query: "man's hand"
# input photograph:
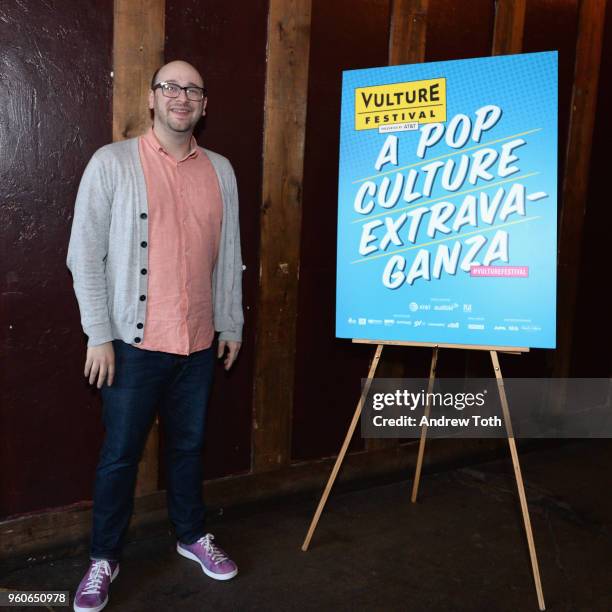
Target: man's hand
(100, 363)
(232, 352)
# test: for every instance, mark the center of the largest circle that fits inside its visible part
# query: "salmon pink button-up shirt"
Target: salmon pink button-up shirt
(185, 214)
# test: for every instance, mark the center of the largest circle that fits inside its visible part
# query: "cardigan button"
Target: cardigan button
(139, 325)
(143, 271)
(143, 298)
(137, 339)
(143, 244)
(143, 215)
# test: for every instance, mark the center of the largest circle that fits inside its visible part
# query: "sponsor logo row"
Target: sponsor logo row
(452, 325)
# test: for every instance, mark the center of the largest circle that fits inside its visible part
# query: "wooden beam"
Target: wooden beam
(575, 182)
(281, 220)
(408, 31)
(138, 50)
(407, 36)
(509, 27)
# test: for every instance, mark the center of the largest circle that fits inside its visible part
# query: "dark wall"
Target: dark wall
(328, 370)
(555, 26)
(55, 110)
(227, 42)
(458, 30)
(592, 331)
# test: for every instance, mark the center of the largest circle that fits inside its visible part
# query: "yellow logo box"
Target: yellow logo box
(414, 101)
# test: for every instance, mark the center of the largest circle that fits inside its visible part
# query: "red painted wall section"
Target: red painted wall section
(345, 34)
(592, 330)
(458, 30)
(55, 111)
(226, 41)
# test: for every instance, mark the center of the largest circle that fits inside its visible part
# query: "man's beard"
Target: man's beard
(182, 128)
(180, 124)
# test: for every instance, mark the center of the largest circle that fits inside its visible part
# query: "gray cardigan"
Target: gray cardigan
(105, 254)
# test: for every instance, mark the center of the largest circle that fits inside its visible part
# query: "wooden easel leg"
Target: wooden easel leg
(347, 440)
(419, 465)
(519, 480)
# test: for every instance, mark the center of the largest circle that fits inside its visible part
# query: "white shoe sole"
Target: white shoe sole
(103, 604)
(190, 555)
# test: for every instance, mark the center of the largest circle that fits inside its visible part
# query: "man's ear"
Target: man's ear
(204, 106)
(151, 99)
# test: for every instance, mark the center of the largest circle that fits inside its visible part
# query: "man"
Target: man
(155, 257)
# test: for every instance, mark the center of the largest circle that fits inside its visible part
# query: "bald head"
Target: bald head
(178, 101)
(179, 72)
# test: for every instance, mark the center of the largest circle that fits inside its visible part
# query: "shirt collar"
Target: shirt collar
(151, 139)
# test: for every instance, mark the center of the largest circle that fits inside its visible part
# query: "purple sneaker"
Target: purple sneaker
(92, 594)
(214, 561)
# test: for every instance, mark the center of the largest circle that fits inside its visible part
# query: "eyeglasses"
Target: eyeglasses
(172, 90)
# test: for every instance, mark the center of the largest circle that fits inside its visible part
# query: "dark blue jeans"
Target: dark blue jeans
(145, 381)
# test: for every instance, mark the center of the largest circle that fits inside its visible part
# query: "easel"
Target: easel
(493, 350)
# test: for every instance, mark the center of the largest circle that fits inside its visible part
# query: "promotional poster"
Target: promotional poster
(447, 202)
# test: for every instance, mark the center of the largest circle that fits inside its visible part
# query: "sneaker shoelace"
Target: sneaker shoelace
(96, 574)
(216, 554)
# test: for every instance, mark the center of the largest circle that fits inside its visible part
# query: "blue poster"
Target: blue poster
(447, 202)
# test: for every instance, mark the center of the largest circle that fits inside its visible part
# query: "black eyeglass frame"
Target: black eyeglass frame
(162, 84)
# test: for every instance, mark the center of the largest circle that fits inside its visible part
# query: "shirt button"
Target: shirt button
(143, 244)
(137, 339)
(139, 325)
(143, 271)
(143, 215)
(143, 298)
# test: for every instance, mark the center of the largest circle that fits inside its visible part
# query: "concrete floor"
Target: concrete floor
(462, 547)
